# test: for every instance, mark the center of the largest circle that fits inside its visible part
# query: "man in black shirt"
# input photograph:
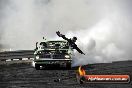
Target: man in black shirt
(71, 41)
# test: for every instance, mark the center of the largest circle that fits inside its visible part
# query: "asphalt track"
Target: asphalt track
(23, 75)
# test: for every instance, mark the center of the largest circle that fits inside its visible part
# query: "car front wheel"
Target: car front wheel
(37, 67)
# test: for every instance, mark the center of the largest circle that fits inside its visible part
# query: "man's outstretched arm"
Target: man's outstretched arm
(61, 35)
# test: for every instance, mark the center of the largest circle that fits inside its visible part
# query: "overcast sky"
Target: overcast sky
(103, 27)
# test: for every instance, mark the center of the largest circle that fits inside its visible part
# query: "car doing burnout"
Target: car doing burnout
(50, 53)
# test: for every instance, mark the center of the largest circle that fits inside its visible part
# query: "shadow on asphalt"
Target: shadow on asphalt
(86, 67)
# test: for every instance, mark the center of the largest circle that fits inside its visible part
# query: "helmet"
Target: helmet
(74, 39)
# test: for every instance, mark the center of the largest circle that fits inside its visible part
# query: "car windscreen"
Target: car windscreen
(57, 44)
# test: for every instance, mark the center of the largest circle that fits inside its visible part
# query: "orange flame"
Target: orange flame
(81, 71)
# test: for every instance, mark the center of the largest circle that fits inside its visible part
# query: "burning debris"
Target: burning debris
(81, 71)
(80, 75)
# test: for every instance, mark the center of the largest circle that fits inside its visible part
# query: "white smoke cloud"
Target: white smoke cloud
(104, 42)
(103, 27)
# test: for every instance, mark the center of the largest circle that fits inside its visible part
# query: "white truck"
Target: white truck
(53, 53)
